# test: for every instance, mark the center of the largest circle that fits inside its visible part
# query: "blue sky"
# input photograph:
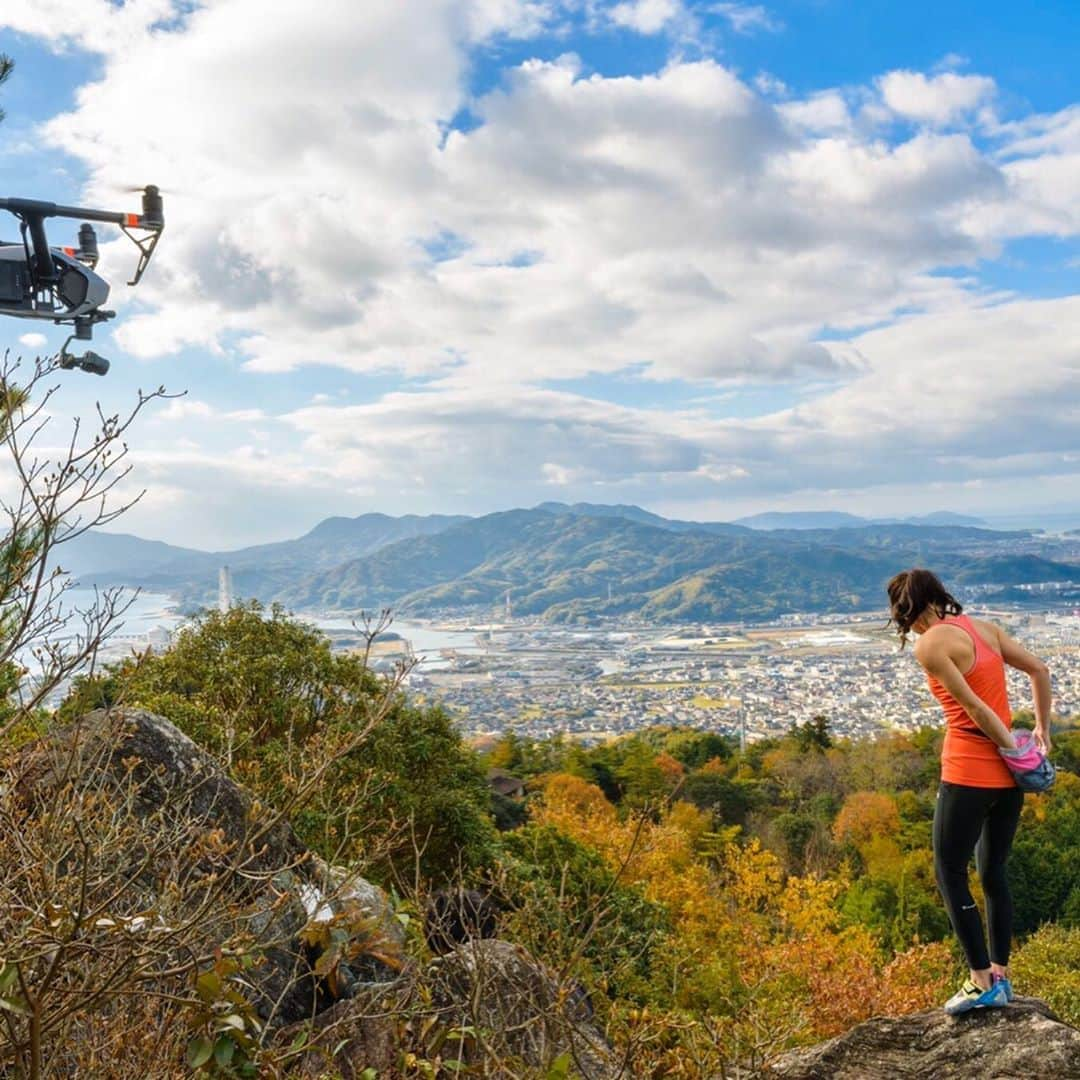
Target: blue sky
(461, 255)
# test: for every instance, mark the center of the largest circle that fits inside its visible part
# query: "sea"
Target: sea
(152, 616)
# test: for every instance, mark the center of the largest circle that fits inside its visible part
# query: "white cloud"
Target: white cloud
(936, 99)
(33, 340)
(645, 16)
(97, 25)
(823, 113)
(677, 220)
(681, 224)
(185, 409)
(931, 399)
(748, 18)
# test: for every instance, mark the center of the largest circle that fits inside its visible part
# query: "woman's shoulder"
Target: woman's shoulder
(940, 638)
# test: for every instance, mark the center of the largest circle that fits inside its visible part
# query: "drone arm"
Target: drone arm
(44, 267)
(35, 209)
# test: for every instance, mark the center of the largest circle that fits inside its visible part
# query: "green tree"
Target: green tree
(813, 736)
(728, 799)
(642, 779)
(694, 748)
(1044, 866)
(265, 693)
(7, 66)
(1048, 962)
(572, 910)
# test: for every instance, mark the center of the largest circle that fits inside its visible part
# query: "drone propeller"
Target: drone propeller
(141, 189)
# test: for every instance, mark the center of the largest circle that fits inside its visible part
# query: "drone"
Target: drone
(59, 284)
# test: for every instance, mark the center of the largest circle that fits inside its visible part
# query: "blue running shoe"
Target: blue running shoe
(970, 996)
(1000, 980)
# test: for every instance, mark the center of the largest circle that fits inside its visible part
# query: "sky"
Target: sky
(458, 256)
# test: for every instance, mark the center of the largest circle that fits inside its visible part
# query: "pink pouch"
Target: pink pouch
(1026, 756)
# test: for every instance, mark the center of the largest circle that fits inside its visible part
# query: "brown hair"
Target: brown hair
(911, 592)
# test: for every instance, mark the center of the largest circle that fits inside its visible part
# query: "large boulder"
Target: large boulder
(197, 833)
(362, 1032)
(150, 759)
(1025, 1039)
(524, 1016)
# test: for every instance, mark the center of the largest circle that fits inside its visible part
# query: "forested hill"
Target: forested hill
(571, 566)
(562, 565)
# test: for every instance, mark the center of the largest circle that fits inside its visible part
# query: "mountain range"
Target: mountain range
(573, 563)
(833, 519)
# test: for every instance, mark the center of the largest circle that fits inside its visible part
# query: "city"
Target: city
(596, 684)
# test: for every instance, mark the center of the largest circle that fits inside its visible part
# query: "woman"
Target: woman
(978, 802)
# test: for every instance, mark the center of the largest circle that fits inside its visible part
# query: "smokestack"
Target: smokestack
(225, 590)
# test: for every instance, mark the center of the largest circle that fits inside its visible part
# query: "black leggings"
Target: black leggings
(982, 820)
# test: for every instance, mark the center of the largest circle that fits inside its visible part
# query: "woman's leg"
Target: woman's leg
(991, 856)
(958, 821)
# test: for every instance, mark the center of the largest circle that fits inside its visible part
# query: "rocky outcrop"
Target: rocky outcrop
(527, 1018)
(1025, 1039)
(201, 828)
(152, 760)
(360, 1033)
(332, 983)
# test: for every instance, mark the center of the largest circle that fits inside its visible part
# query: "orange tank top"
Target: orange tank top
(968, 756)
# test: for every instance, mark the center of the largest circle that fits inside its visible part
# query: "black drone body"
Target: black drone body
(59, 284)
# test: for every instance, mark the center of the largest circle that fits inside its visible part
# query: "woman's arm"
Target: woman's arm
(1015, 655)
(932, 652)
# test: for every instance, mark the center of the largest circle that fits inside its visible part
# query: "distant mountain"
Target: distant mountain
(261, 571)
(947, 517)
(920, 542)
(93, 551)
(836, 519)
(572, 563)
(572, 567)
(643, 517)
(802, 519)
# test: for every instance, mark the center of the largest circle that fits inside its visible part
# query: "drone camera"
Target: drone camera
(91, 362)
(60, 284)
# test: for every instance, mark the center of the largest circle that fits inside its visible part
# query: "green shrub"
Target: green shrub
(1047, 966)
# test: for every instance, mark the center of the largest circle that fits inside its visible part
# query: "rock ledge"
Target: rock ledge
(1025, 1039)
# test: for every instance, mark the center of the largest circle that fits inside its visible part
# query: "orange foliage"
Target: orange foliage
(865, 815)
(740, 927)
(918, 978)
(673, 769)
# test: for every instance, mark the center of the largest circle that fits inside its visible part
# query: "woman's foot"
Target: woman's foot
(1003, 981)
(971, 996)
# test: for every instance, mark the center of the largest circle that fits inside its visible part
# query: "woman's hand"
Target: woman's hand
(1042, 737)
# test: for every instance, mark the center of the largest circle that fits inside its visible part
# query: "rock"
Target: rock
(285, 986)
(457, 916)
(341, 890)
(527, 1019)
(167, 768)
(1024, 1039)
(204, 828)
(351, 1036)
(334, 894)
